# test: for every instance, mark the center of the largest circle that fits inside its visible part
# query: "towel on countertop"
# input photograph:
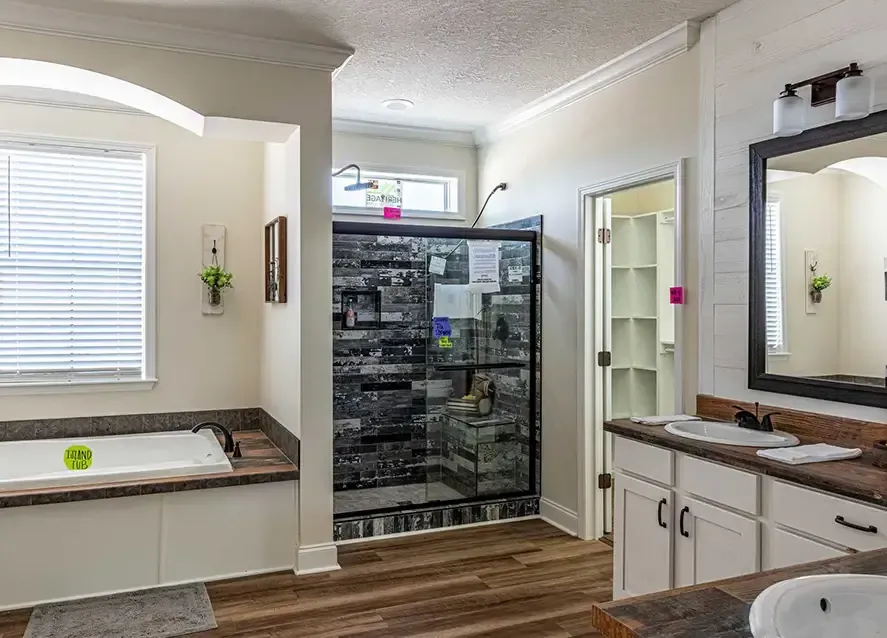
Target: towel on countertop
(663, 420)
(817, 453)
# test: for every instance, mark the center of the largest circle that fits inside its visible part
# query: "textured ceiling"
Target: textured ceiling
(465, 63)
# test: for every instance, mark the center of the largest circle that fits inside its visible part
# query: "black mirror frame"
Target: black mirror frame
(758, 377)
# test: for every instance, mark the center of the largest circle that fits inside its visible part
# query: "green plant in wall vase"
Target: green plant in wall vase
(817, 285)
(216, 279)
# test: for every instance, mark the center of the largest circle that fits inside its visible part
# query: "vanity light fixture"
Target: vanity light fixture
(847, 87)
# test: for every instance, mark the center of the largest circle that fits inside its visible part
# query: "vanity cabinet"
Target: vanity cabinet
(712, 543)
(643, 526)
(681, 520)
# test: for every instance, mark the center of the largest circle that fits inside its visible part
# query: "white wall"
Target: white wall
(203, 362)
(607, 135)
(752, 49)
(411, 155)
(861, 288)
(812, 214)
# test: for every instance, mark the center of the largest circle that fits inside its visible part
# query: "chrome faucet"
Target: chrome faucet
(230, 448)
(746, 419)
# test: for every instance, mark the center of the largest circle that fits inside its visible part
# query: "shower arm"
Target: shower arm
(346, 168)
(501, 186)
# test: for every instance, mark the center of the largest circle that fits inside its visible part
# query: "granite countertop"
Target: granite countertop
(856, 478)
(714, 610)
(262, 462)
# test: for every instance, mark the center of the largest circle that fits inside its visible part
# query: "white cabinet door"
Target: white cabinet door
(642, 538)
(712, 543)
(787, 549)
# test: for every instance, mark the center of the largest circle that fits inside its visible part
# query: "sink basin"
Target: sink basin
(829, 606)
(717, 432)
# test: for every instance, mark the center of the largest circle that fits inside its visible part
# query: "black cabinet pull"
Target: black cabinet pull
(659, 513)
(684, 532)
(871, 529)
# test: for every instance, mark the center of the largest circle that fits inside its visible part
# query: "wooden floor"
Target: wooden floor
(518, 580)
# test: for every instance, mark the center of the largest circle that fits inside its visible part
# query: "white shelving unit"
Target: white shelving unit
(642, 318)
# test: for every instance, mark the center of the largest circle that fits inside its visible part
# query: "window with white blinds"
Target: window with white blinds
(773, 288)
(72, 264)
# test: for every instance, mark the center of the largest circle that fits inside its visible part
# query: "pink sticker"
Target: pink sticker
(390, 212)
(676, 295)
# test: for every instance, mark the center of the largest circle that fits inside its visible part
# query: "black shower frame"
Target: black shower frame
(448, 232)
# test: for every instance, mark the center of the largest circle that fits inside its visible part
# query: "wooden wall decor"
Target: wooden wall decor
(275, 261)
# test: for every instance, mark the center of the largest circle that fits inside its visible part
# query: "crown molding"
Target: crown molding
(77, 106)
(170, 37)
(663, 47)
(400, 132)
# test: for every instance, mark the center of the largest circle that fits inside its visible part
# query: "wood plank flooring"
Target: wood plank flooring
(524, 579)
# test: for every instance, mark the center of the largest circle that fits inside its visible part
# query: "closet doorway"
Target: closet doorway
(632, 261)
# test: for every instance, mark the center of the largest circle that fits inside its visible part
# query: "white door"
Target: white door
(642, 557)
(712, 543)
(787, 549)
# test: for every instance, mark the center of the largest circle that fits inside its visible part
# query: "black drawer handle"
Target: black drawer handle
(659, 513)
(871, 529)
(684, 532)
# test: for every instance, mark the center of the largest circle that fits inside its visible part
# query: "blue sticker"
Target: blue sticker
(441, 327)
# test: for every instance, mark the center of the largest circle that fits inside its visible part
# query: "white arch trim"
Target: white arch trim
(60, 77)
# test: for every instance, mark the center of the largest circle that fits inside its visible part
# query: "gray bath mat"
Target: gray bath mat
(154, 613)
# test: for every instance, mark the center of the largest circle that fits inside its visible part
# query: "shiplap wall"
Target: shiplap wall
(750, 51)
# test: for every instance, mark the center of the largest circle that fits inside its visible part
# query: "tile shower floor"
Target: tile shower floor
(373, 498)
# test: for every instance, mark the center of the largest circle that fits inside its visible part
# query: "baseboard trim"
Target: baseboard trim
(452, 528)
(314, 559)
(559, 516)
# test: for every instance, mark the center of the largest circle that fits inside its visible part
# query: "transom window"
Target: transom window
(72, 264)
(418, 194)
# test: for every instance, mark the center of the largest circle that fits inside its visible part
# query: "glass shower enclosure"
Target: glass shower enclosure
(434, 362)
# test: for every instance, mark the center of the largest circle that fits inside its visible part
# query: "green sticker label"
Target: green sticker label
(78, 457)
(445, 342)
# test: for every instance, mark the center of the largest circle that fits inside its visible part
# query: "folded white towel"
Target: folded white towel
(817, 453)
(663, 420)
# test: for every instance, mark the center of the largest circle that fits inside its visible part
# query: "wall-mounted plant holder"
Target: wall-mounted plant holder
(811, 261)
(213, 254)
(361, 309)
(275, 261)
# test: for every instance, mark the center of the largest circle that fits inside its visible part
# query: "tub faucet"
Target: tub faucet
(229, 440)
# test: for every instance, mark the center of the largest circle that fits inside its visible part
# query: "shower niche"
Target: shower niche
(434, 391)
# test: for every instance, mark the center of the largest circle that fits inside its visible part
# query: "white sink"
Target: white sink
(717, 432)
(830, 606)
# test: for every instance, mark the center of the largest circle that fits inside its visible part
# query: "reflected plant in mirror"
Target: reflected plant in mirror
(819, 223)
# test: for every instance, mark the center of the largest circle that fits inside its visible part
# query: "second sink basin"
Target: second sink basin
(717, 432)
(828, 606)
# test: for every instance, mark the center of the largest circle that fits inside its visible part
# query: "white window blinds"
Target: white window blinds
(72, 236)
(773, 289)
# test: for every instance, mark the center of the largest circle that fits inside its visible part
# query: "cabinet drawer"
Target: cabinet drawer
(720, 484)
(787, 550)
(816, 514)
(644, 460)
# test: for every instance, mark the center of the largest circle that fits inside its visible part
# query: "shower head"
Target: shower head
(359, 186)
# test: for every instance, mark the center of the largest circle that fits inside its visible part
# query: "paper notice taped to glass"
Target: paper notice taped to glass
(437, 266)
(483, 266)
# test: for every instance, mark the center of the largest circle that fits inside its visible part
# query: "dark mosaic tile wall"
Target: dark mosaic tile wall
(436, 518)
(520, 344)
(379, 383)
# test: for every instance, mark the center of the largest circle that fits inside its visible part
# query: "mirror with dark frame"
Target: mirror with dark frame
(818, 263)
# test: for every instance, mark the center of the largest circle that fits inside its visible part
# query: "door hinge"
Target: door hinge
(604, 481)
(603, 235)
(605, 358)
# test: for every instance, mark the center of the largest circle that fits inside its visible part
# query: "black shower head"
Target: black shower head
(359, 186)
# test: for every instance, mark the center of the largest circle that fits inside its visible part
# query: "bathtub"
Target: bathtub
(26, 465)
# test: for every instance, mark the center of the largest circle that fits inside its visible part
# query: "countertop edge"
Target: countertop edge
(797, 474)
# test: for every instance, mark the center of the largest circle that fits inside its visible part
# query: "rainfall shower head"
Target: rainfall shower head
(358, 185)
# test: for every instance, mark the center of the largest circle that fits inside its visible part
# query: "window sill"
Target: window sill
(779, 355)
(76, 387)
(405, 213)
